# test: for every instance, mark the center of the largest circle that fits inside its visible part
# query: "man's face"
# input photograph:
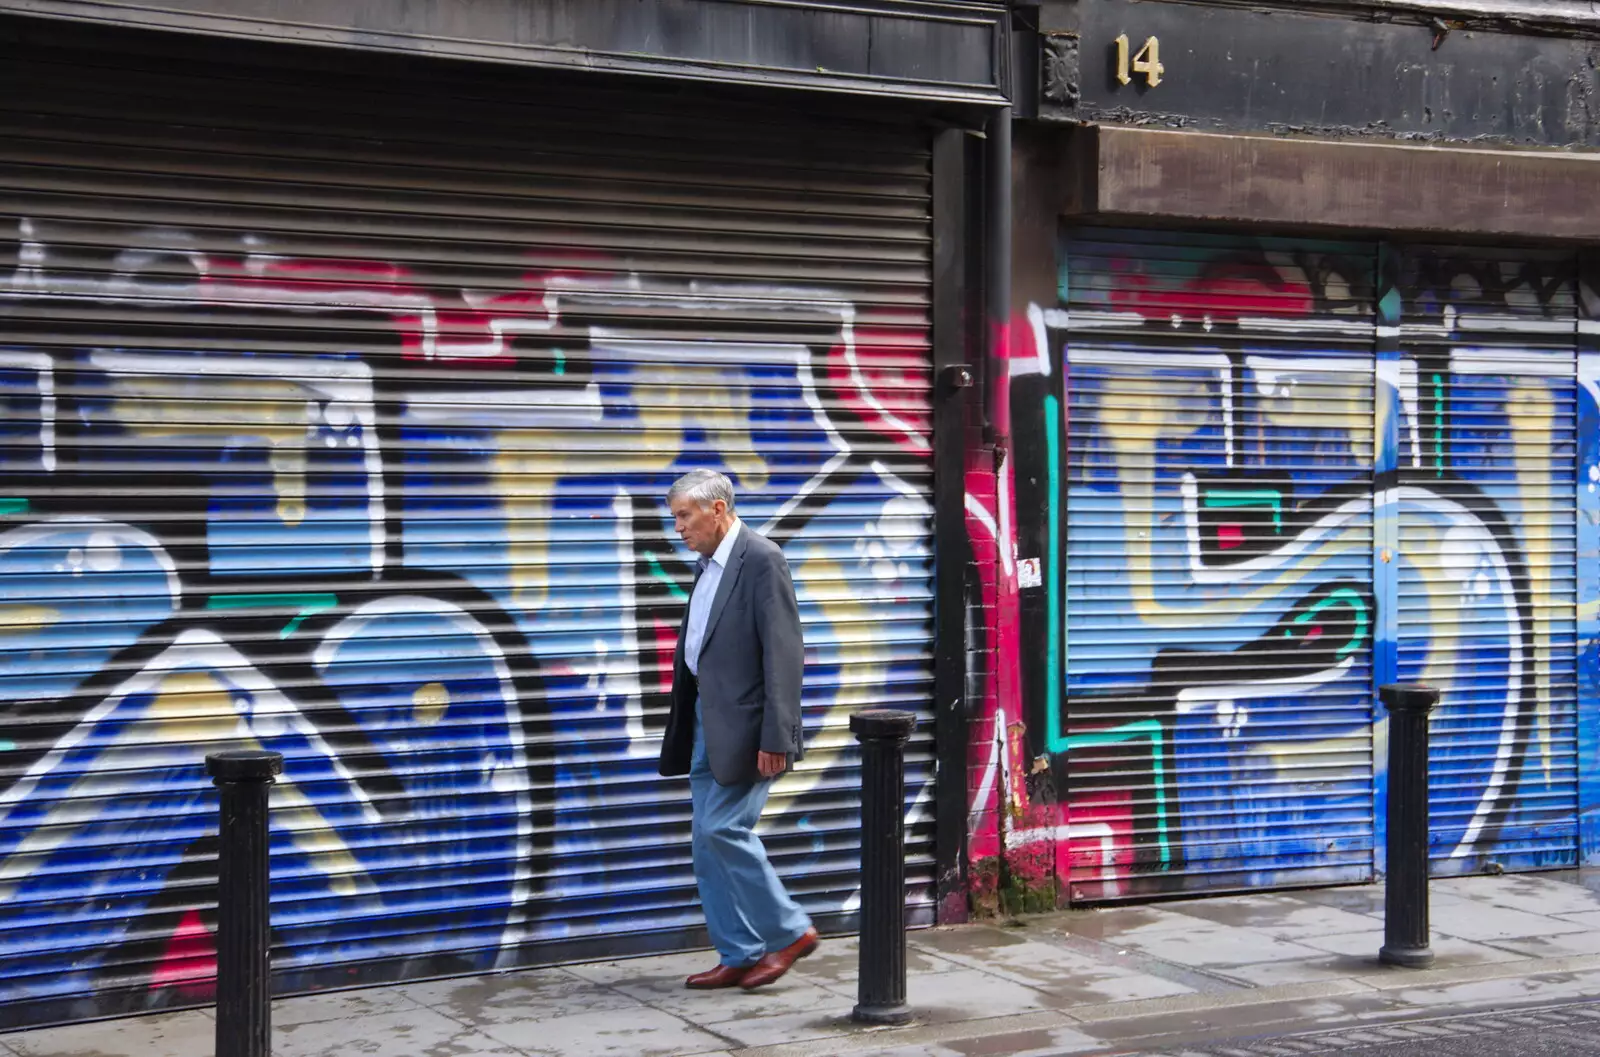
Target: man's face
(700, 527)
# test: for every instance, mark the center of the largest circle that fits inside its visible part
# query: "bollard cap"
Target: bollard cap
(244, 765)
(1408, 697)
(882, 723)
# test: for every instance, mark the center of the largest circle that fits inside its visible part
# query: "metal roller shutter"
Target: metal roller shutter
(1488, 553)
(1216, 730)
(339, 410)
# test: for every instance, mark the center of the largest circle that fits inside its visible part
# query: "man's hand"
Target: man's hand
(771, 764)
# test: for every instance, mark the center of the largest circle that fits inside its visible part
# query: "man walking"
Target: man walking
(734, 727)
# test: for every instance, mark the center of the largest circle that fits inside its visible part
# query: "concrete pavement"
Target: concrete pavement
(1152, 979)
(1565, 1030)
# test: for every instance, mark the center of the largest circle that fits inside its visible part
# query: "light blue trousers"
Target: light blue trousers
(748, 912)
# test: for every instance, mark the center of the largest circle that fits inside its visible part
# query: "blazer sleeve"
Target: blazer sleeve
(783, 655)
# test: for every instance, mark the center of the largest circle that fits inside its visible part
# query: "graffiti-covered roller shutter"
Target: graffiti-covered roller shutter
(339, 411)
(1487, 573)
(1216, 728)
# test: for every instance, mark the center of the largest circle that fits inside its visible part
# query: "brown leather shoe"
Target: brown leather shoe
(715, 979)
(774, 965)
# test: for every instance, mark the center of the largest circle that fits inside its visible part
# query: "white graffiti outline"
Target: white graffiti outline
(43, 367)
(1401, 376)
(195, 649)
(1462, 517)
(1542, 363)
(1216, 363)
(1330, 523)
(1325, 526)
(1039, 363)
(345, 381)
(26, 534)
(513, 778)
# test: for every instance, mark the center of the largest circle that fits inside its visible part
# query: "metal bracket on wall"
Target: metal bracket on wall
(955, 376)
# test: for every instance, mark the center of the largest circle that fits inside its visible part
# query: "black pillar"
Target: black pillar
(1405, 897)
(881, 986)
(244, 976)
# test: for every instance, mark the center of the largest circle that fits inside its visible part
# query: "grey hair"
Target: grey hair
(703, 487)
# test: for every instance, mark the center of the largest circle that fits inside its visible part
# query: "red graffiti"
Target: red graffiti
(190, 959)
(1225, 290)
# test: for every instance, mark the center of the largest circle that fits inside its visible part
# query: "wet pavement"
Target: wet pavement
(1180, 977)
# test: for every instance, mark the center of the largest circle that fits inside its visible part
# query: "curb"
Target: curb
(855, 1040)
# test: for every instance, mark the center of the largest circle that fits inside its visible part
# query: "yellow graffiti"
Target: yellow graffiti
(19, 618)
(428, 703)
(864, 657)
(672, 400)
(1142, 413)
(1428, 550)
(279, 412)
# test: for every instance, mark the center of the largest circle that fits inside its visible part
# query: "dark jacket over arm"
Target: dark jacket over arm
(783, 654)
(752, 665)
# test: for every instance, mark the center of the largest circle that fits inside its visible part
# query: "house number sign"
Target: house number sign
(1146, 62)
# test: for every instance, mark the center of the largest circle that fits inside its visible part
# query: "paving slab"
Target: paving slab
(406, 1033)
(1066, 975)
(534, 995)
(1282, 916)
(1207, 944)
(1357, 899)
(641, 1032)
(836, 961)
(966, 994)
(1526, 892)
(1486, 921)
(340, 1005)
(1111, 923)
(1368, 900)
(187, 1034)
(792, 992)
(667, 966)
(1589, 919)
(1586, 942)
(824, 1018)
(1362, 948)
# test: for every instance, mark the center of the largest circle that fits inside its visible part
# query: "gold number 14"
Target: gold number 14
(1147, 61)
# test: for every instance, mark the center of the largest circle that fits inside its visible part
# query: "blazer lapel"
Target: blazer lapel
(730, 575)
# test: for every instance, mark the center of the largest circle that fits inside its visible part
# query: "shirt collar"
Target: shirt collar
(725, 548)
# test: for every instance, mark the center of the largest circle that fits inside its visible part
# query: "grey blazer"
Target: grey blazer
(752, 662)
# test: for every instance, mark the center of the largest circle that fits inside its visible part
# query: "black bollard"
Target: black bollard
(1405, 895)
(881, 986)
(244, 972)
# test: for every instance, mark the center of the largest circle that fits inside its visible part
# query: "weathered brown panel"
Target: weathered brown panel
(1237, 68)
(1142, 173)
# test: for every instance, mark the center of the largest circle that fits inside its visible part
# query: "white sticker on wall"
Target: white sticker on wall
(1028, 573)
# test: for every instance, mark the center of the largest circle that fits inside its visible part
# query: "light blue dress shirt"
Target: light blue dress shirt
(705, 592)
